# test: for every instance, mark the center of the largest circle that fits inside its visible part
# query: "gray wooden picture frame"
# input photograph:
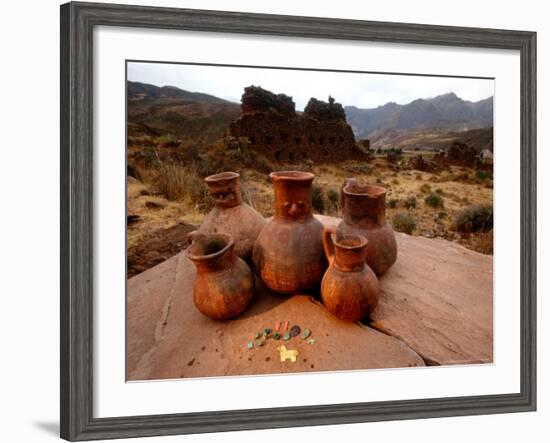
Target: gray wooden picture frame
(77, 23)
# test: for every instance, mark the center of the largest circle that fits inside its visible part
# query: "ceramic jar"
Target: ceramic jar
(364, 213)
(349, 289)
(288, 253)
(230, 214)
(224, 283)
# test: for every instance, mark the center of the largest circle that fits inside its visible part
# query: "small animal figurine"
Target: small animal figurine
(287, 354)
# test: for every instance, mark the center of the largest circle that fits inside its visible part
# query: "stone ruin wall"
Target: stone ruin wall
(275, 130)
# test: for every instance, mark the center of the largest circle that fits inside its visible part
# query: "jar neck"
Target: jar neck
(216, 263)
(293, 200)
(350, 260)
(364, 209)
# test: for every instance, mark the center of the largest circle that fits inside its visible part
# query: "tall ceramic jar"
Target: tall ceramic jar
(224, 284)
(364, 210)
(230, 214)
(349, 289)
(288, 254)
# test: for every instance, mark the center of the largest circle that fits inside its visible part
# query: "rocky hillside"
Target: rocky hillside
(431, 139)
(445, 111)
(168, 110)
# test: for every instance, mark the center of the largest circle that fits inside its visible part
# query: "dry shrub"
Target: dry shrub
(410, 202)
(177, 183)
(474, 218)
(393, 202)
(404, 222)
(333, 195)
(318, 198)
(434, 200)
(483, 175)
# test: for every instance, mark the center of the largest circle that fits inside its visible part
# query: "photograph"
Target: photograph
(284, 220)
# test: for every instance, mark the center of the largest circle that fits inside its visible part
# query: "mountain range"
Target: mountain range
(447, 111)
(189, 115)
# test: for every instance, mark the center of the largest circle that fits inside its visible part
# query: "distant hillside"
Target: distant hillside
(144, 91)
(154, 110)
(431, 139)
(445, 111)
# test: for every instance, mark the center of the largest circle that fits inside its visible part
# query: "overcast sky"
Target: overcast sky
(361, 90)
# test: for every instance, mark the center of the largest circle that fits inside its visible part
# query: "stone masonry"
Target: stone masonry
(275, 130)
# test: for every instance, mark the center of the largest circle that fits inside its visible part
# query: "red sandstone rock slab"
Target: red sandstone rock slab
(169, 338)
(437, 298)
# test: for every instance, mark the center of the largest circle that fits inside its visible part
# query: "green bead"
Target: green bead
(286, 337)
(277, 336)
(306, 333)
(250, 345)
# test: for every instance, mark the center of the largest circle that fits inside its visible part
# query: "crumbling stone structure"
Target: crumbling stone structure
(421, 164)
(459, 154)
(277, 131)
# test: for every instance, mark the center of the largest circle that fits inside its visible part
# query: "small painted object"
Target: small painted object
(287, 354)
(295, 331)
(257, 335)
(349, 289)
(260, 342)
(305, 334)
(278, 326)
(230, 214)
(250, 345)
(286, 337)
(311, 341)
(224, 284)
(287, 323)
(277, 336)
(267, 331)
(364, 209)
(288, 253)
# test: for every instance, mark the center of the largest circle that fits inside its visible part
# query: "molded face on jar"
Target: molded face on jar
(292, 194)
(288, 254)
(225, 189)
(230, 215)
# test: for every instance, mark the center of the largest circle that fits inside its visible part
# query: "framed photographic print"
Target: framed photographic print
(273, 221)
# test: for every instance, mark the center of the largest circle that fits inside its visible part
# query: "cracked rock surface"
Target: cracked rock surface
(435, 308)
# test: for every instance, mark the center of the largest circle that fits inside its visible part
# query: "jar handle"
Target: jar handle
(328, 243)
